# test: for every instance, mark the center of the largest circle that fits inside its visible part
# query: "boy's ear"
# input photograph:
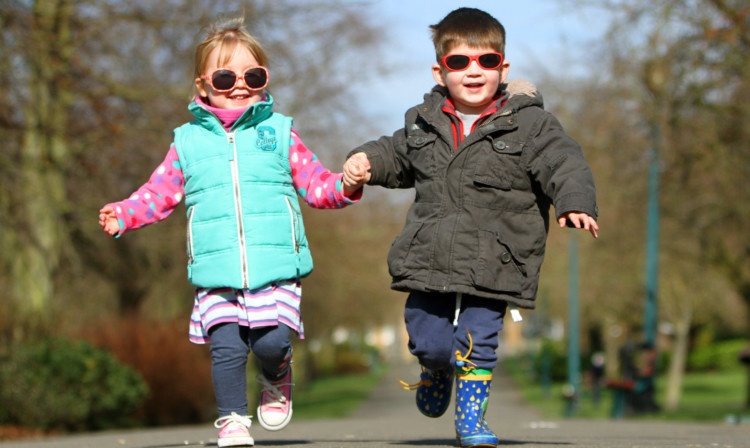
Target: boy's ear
(437, 73)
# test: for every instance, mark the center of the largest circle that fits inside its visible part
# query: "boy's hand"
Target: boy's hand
(580, 221)
(356, 173)
(108, 220)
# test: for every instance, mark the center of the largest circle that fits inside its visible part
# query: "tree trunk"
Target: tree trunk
(679, 360)
(41, 194)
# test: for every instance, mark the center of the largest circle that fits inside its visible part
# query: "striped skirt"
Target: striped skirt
(262, 307)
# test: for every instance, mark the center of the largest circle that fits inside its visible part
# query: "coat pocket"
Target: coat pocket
(402, 248)
(497, 267)
(499, 165)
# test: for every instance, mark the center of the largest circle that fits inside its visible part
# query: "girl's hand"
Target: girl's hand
(108, 220)
(580, 221)
(356, 173)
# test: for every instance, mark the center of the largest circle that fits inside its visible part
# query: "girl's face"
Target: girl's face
(474, 88)
(238, 97)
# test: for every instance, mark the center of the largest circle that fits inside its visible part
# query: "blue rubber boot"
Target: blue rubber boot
(433, 391)
(472, 394)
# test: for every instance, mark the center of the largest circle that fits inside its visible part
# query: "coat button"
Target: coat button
(505, 257)
(419, 141)
(500, 145)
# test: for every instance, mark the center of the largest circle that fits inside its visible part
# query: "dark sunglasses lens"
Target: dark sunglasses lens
(256, 78)
(223, 80)
(457, 62)
(490, 61)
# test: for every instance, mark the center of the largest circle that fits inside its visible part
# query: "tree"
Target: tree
(99, 86)
(683, 69)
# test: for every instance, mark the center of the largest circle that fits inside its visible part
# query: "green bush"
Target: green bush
(716, 356)
(64, 385)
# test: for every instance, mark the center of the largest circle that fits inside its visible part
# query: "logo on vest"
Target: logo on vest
(266, 138)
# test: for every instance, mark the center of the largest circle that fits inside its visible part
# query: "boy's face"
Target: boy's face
(474, 88)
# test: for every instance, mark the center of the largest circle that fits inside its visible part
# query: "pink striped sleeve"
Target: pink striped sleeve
(315, 184)
(156, 199)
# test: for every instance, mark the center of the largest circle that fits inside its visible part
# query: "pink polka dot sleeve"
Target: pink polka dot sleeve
(315, 184)
(156, 199)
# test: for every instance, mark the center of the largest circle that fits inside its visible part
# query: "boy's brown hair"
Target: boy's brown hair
(469, 26)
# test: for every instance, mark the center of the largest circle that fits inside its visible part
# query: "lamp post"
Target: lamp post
(574, 351)
(654, 78)
(650, 310)
(654, 74)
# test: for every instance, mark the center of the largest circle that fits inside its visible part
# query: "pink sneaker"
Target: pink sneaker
(275, 409)
(234, 430)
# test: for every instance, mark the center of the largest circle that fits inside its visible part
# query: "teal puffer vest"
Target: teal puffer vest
(245, 226)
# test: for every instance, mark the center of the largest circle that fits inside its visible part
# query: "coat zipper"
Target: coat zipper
(238, 212)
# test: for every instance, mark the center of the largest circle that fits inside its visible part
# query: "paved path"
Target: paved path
(390, 419)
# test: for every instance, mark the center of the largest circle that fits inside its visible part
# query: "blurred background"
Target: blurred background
(93, 331)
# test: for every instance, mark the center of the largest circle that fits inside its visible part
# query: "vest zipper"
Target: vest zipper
(238, 211)
(293, 217)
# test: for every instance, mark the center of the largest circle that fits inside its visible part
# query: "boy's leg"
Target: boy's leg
(476, 342)
(273, 347)
(483, 320)
(429, 324)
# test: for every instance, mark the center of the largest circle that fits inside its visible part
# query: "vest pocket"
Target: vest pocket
(497, 267)
(190, 235)
(294, 225)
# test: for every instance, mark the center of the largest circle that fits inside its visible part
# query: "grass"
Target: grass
(706, 397)
(333, 397)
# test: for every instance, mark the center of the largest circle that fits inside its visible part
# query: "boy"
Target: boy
(486, 166)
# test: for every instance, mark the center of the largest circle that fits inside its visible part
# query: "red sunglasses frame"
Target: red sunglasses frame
(237, 77)
(472, 58)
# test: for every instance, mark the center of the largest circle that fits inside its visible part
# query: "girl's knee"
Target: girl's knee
(272, 346)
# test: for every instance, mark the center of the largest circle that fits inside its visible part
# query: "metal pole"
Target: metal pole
(574, 356)
(650, 310)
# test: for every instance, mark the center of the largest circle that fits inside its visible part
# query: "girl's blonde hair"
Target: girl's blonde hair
(225, 35)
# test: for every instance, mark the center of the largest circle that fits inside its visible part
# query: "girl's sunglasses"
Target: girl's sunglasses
(460, 62)
(223, 79)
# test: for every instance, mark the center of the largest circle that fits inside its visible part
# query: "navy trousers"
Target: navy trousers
(434, 339)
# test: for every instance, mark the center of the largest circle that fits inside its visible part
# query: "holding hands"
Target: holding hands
(356, 172)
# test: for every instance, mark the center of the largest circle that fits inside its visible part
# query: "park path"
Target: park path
(390, 419)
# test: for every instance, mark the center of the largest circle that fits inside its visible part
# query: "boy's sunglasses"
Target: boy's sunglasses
(224, 79)
(460, 62)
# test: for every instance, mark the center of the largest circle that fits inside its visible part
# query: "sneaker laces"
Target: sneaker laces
(233, 418)
(273, 389)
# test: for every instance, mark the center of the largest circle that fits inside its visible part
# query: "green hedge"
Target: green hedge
(64, 385)
(720, 355)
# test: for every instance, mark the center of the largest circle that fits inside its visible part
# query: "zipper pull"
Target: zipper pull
(230, 140)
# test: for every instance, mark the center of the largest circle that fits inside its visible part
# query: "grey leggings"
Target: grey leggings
(230, 346)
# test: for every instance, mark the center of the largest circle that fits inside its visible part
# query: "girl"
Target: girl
(239, 167)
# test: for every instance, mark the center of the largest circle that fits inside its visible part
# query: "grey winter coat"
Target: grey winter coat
(480, 217)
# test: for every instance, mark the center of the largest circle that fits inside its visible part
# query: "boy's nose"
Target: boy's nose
(474, 68)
